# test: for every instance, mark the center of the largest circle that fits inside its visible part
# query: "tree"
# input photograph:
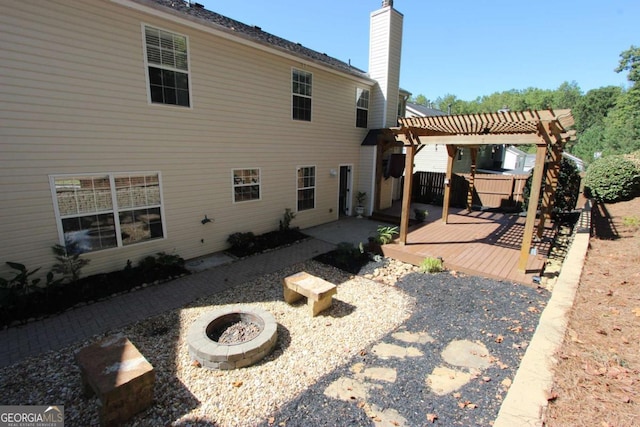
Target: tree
(421, 100)
(592, 108)
(630, 61)
(450, 102)
(567, 95)
(622, 133)
(591, 141)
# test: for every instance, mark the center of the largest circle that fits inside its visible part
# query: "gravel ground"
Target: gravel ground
(341, 347)
(449, 307)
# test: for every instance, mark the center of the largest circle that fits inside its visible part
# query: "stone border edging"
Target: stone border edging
(528, 396)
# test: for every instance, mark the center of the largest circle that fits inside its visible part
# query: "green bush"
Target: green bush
(346, 256)
(242, 242)
(24, 296)
(285, 222)
(611, 179)
(386, 234)
(68, 262)
(431, 265)
(567, 191)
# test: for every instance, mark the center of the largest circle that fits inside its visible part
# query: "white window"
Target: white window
(362, 108)
(107, 210)
(246, 184)
(167, 67)
(301, 90)
(306, 188)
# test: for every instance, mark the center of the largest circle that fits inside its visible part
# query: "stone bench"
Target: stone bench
(318, 292)
(122, 379)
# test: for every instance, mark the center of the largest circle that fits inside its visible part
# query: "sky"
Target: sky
(467, 48)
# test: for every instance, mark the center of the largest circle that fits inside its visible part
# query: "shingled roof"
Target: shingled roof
(198, 13)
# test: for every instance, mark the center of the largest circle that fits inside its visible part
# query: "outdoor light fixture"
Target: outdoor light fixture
(459, 153)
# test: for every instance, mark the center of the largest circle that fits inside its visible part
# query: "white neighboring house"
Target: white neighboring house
(132, 127)
(517, 161)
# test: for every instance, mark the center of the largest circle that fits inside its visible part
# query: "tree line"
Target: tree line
(607, 118)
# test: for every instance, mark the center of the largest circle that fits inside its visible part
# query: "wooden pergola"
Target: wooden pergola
(546, 129)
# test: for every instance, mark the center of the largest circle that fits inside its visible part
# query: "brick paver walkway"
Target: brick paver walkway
(75, 325)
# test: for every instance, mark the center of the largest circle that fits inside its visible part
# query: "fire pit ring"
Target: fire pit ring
(205, 332)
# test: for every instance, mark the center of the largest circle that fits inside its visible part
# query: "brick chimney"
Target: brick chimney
(385, 46)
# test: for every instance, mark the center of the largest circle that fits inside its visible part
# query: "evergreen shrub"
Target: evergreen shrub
(612, 179)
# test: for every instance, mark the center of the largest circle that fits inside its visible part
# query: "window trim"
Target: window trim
(293, 94)
(146, 67)
(116, 211)
(358, 107)
(315, 187)
(234, 185)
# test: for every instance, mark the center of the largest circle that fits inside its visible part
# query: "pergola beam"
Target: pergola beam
(510, 139)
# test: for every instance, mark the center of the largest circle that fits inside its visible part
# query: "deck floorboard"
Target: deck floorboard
(478, 243)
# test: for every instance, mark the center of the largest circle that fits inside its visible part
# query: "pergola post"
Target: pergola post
(451, 152)
(406, 192)
(550, 187)
(534, 196)
(472, 177)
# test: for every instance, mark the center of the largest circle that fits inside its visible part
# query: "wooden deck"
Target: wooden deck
(478, 243)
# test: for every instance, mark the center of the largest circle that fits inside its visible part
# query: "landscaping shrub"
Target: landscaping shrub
(25, 296)
(612, 179)
(287, 217)
(242, 243)
(246, 244)
(68, 262)
(386, 234)
(346, 257)
(431, 265)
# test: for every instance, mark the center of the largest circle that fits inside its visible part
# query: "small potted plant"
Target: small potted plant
(361, 196)
(420, 214)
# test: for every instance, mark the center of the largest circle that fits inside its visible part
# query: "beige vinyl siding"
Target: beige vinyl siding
(378, 67)
(384, 65)
(74, 101)
(365, 176)
(395, 50)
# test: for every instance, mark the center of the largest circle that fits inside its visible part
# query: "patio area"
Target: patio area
(481, 243)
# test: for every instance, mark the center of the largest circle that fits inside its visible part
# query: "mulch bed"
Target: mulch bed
(598, 371)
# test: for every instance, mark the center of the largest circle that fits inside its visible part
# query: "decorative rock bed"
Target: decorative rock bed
(232, 337)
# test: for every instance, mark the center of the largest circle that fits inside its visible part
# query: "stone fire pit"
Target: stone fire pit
(232, 337)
